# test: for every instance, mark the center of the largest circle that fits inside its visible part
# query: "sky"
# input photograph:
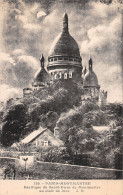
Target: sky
(28, 28)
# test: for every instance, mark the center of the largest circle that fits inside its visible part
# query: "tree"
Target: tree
(49, 120)
(56, 155)
(13, 123)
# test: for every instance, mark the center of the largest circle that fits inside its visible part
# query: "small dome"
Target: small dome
(42, 76)
(90, 79)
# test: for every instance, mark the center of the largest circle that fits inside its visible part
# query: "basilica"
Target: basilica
(65, 64)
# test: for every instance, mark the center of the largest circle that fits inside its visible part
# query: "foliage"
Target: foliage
(94, 118)
(59, 105)
(49, 120)
(55, 155)
(14, 122)
(107, 147)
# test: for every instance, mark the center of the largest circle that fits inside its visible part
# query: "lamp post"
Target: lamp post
(25, 159)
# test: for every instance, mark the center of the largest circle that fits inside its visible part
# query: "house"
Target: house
(41, 138)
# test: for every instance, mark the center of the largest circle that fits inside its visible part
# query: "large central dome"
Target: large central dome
(64, 44)
(64, 61)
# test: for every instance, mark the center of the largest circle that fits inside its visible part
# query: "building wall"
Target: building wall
(64, 67)
(103, 98)
(40, 142)
(91, 92)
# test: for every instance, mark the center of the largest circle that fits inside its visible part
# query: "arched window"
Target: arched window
(55, 76)
(60, 75)
(65, 75)
(70, 74)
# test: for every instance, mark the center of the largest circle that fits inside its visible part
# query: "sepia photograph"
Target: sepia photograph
(61, 101)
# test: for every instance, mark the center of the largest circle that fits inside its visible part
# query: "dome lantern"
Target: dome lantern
(90, 64)
(65, 23)
(42, 61)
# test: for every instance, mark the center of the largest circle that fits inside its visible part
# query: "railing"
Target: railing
(69, 165)
(16, 154)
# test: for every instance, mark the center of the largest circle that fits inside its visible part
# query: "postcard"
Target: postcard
(61, 106)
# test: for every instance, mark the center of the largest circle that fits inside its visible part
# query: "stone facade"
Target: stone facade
(27, 92)
(103, 98)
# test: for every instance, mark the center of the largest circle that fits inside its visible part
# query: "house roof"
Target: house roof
(46, 135)
(32, 136)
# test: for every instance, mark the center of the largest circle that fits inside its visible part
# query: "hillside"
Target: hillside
(58, 106)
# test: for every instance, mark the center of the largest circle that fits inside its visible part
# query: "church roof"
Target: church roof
(42, 76)
(64, 44)
(90, 78)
